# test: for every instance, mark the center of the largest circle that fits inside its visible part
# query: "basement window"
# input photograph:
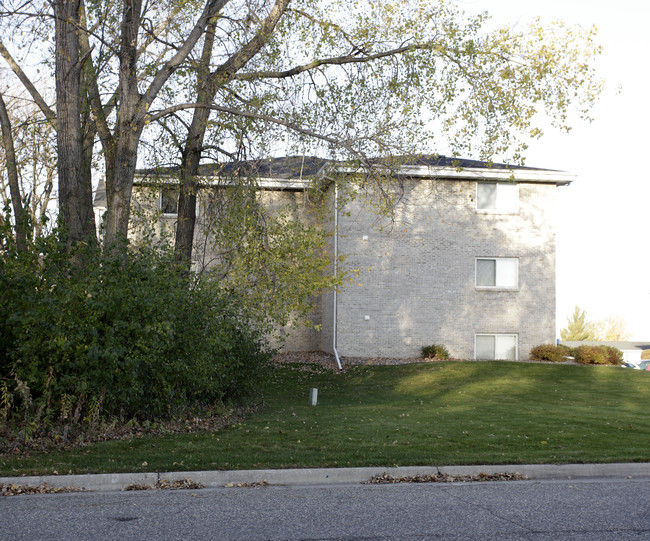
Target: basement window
(495, 346)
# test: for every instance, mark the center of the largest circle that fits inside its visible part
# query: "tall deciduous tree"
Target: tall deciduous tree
(371, 79)
(124, 33)
(75, 187)
(353, 80)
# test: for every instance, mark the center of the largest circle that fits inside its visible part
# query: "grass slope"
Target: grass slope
(433, 413)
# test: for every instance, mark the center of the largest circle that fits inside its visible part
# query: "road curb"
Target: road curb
(328, 476)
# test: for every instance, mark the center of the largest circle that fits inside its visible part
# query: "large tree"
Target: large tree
(352, 80)
(125, 71)
(372, 79)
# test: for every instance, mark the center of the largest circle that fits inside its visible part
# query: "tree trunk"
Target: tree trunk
(121, 147)
(12, 174)
(75, 187)
(119, 188)
(208, 84)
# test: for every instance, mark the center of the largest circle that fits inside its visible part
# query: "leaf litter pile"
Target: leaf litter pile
(384, 478)
(22, 490)
(163, 484)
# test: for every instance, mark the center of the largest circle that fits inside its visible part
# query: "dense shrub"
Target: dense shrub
(124, 334)
(591, 355)
(435, 351)
(614, 355)
(550, 352)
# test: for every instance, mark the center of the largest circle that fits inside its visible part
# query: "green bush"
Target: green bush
(435, 351)
(550, 352)
(614, 355)
(124, 333)
(598, 355)
(590, 355)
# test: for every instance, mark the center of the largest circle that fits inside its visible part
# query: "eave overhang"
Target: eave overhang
(485, 174)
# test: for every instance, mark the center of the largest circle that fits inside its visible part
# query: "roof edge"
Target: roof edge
(545, 176)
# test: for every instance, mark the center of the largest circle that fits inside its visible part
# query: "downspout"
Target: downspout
(336, 270)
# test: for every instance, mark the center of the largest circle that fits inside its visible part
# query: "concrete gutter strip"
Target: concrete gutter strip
(325, 476)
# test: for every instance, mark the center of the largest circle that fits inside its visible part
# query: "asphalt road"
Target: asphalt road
(597, 509)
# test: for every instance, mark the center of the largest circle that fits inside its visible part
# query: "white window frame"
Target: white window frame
(507, 198)
(499, 283)
(496, 337)
(160, 201)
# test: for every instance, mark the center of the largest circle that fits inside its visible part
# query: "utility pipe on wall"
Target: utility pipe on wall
(336, 270)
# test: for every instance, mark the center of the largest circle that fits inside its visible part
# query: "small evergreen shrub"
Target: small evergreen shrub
(550, 352)
(435, 351)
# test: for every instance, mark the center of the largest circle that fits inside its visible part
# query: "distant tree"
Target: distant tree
(578, 327)
(612, 328)
(12, 175)
(27, 167)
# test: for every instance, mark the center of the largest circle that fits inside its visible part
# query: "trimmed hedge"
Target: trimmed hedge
(550, 352)
(583, 354)
(598, 355)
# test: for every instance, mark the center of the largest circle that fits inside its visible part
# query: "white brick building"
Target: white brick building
(467, 259)
(469, 262)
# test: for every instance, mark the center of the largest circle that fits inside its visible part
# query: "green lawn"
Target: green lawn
(433, 413)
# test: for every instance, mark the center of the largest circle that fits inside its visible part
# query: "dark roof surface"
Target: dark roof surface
(304, 167)
(309, 166)
(285, 167)
(436, 160)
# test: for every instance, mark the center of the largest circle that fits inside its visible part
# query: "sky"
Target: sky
(603, 261)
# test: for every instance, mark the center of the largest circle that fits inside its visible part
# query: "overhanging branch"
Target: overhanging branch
(346, 144)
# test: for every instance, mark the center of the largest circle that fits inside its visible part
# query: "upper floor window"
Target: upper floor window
(497, 273)
(169, 200)
(497, 197)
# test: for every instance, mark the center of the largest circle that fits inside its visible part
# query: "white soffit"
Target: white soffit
(469, 173)
(543, 176)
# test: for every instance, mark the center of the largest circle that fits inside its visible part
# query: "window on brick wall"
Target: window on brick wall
(495, 346)
(497, 197)
(497, 272)
(169, 200)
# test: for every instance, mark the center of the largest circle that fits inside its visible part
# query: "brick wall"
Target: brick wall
(412, 277)
(416, 274)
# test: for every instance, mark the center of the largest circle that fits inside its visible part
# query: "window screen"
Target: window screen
(497, 272)
(501, 197)
(496, 346)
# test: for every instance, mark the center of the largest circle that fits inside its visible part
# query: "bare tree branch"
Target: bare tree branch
(44, 107)
(339, 60)
(254, 116)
